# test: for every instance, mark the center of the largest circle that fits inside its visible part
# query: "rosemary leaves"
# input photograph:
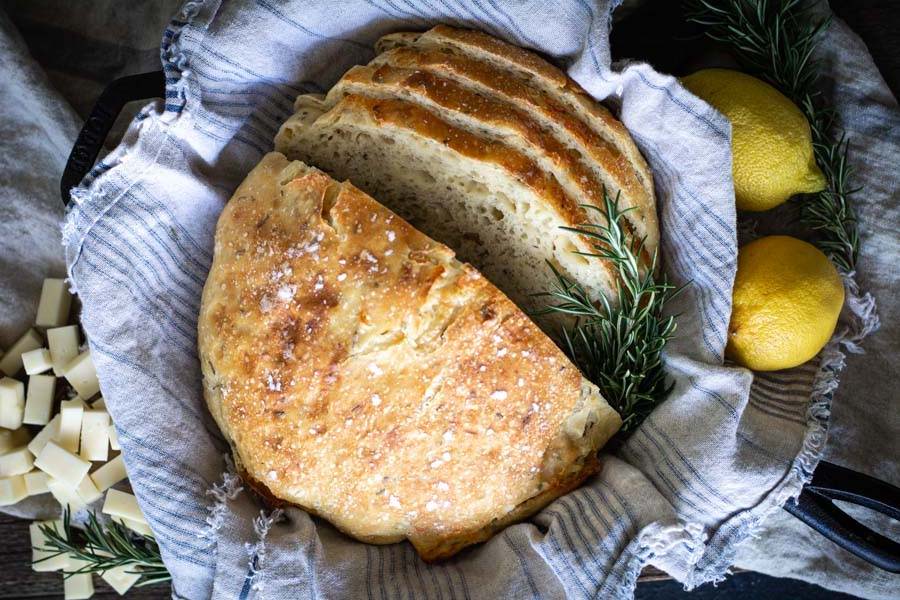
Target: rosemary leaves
(619, 348)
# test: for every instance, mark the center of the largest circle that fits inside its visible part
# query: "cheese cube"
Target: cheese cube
(17, 462)
(12, 403)
(10, 440)
(53, 308)
(12, 489)
(63, 343)
(39, 400)
(78, 583)
(65, 495)
(87, 491)
(50, 431)
(120, 579)
(37, 361)
(81, 374)
(62, 465)
(123, 504)
(135, 526)
(114, 437)
(36, 482)
(12, 360)
(95, 435)
(79, 586)
(99, 404)
(44, 559)
(109, 474)
(71, 413)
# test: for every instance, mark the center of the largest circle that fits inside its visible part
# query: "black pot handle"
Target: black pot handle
(816, 508)
(90, 140)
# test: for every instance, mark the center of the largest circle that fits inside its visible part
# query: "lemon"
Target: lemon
(771, 142)
(787, 298)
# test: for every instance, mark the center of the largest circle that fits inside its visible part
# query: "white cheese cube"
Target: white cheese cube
(78, 583)
(53, 308)
(36, 482)
(65, 495)
(39, 400)
(50, 431)
(109, 474)
(99, 404)
(12, 403)
(12, 360)
(81, 374)
(37, 361)
(12, 489)
(135, 526)
(114, 437)
(62, 465)
(79, 586)
(95, 435)
(63, 343)
(10, 440)
(87, 491)
(44, 559)
(17, 462)
(71, 413)
(123, 504)
(120, 579)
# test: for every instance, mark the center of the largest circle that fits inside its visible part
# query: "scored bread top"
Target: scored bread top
(361, 372)
(495, 119)
(495, 67)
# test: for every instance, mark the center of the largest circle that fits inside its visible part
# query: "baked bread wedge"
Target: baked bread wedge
(485, 147)
(360, 371)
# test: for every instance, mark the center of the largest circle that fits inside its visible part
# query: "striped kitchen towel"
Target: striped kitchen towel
(691, 484)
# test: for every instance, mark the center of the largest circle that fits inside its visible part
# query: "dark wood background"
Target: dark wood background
(651, 34)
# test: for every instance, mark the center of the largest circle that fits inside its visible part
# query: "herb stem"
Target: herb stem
(618, 347)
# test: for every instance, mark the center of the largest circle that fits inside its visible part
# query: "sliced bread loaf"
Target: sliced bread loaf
(485, 147)
(493, 205)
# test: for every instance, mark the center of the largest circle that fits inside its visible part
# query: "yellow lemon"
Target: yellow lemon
(787, 298)
(771, 142)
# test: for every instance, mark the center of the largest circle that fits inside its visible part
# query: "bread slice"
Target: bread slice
(490, 117)
(361, 372)
(495, 206)
(495, 68)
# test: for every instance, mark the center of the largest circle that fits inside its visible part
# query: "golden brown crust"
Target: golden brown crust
(617, 155)
(362, 373)
(502, 117)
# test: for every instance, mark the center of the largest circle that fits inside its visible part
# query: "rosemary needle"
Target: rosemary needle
(102, 548)
(619, 348)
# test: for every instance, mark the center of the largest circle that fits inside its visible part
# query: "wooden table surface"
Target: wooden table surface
(874, 20)
(17, 580)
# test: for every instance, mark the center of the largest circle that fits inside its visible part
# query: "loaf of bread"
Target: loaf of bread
(363, 373)
(485, 147)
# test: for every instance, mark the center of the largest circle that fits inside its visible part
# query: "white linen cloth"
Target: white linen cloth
(685, 490)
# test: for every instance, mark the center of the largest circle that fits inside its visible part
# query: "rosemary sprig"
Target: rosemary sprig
(618, 347)
(102, 549)
(775, 40)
